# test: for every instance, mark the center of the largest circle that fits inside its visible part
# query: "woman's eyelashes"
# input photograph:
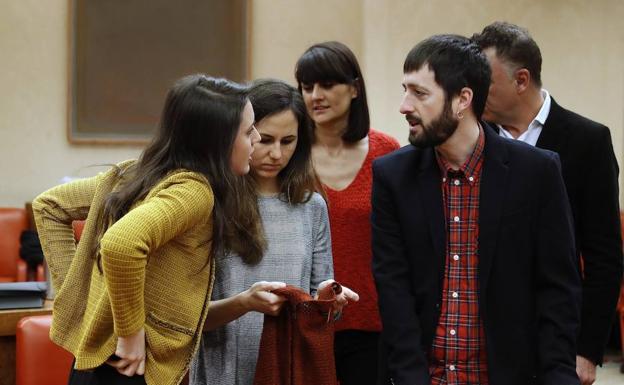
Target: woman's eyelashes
(271, 140)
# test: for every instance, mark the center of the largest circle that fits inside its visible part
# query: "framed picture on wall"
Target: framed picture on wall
(126, 54)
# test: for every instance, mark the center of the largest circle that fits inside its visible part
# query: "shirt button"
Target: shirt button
(451, 367)
(455, 257)
(452, 332)
(471, 179)
(456, 182)
(455, 295)
(443, 179)
(456, 218)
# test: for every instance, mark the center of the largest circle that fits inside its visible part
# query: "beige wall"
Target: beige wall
(582, 44)
(283, 29)
(582, 47)
(34, 152)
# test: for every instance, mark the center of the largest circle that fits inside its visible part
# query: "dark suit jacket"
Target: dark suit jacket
(529, 284)
(590, 172)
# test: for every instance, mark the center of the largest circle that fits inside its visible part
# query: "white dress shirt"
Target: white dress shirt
(531, 135)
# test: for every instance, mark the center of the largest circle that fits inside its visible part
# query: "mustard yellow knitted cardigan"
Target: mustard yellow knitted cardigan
(156, 272)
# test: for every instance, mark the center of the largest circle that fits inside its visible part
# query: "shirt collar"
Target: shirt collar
(542, 115)
(539, 120)
(471, 167)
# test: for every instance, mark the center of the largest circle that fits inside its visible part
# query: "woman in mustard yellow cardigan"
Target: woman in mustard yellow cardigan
(132, 296)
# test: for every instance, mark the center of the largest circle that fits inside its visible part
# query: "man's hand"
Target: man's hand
(586, 370)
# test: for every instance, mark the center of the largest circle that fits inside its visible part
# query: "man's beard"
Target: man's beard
(436, 132)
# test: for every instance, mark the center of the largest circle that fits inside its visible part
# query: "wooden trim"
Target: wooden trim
(70, 61)
(10, 318)
(249, 29)
(101, 137)
(71, 71)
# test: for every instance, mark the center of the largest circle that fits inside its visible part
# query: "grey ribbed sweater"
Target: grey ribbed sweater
(298, 253)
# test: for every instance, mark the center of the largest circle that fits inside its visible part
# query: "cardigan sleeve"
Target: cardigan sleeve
(181, 201)
(54, 212)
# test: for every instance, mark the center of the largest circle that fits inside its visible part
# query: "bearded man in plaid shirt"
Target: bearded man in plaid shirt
(473, 247)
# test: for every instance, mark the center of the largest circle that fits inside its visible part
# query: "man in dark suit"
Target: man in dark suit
(521, 109)
(473, 246)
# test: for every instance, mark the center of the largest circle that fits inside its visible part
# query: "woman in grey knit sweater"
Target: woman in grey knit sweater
(296, 228)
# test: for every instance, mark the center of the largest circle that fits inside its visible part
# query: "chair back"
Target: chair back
(37, 359)
(13, 221)
(78, 226)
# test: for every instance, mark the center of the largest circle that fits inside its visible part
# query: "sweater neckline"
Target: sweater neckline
(362, 168)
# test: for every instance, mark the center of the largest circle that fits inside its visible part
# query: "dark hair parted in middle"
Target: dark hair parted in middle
(334, 62)
(513, 45)
(197, 131)
(269, 97)
(457, 62)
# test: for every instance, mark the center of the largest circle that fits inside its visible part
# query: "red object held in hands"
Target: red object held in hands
(297, 346)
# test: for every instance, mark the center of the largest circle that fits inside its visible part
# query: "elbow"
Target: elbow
(107, 251)
(112, 252)
(39, 204)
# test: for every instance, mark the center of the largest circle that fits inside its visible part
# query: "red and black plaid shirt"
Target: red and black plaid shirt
(458, 354)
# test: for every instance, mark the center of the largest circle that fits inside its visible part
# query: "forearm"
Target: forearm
(223, 311)
(54, 211)
(57, 242)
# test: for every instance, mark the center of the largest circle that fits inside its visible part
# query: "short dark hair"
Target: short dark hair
(335, 62)
(514, 45)
(269, 97)
(457, 63)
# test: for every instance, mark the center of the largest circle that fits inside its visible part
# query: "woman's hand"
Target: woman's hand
(346, 295)
(259, 298)
(131, 353)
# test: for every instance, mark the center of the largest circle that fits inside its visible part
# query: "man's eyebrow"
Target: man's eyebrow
(413, 85)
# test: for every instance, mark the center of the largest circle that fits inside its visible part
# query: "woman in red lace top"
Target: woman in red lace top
(332, 86)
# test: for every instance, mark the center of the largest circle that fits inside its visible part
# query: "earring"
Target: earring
(460, 115)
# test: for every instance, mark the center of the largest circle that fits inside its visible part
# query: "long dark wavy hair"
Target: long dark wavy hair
(268, 97)
(334, 62)
(197, 130)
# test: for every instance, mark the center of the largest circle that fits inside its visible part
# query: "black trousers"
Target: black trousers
(102, 375)
(356, 354)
